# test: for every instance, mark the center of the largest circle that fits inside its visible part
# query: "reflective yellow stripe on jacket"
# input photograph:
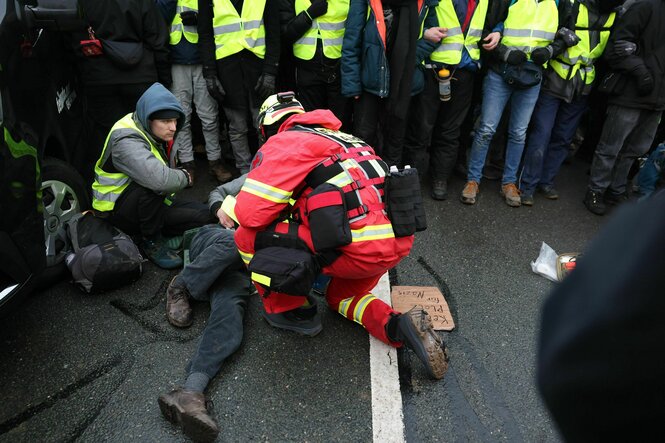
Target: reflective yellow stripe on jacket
(234, 32)
(530, 24)
(266, 192)
(329, 28)
(108, 186)
(178, 29)
(581, 57)
(449, 51)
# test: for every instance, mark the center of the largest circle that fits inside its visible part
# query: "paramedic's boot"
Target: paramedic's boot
(178, 311)
(304, 320)
(414, 329)
(160, 254)
(187, 409)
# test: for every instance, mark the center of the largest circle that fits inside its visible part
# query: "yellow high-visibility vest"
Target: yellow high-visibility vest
(581, 57)
(178, 29)
(329, 28)
(530, 24)
(234, 32)
(108, 186)
(450, 49)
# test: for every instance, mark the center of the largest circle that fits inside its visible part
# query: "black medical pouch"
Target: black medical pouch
(328, 218)
(286, 270)
(404, 202)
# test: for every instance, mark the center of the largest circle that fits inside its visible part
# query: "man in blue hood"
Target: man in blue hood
(135, 180)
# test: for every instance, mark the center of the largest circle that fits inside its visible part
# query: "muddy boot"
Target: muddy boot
(187, 409)
(178, 311)
(218, 171)
(414, 329)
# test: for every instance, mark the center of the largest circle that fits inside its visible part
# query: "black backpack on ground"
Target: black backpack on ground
(103, 257)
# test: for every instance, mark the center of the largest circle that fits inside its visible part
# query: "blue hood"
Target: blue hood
(157, 98)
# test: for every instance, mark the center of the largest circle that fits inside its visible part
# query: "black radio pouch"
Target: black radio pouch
(405, 202)
(285, 270)
(328, 218)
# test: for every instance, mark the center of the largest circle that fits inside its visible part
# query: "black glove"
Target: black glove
(644, 80)
(265, 86)
(514, 56)
(318, 8)
(213, 85)
(540, 56)
(623, 48)
(189, 18)
(569, 37)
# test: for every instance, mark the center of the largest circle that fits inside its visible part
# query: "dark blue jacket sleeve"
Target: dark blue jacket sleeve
(167, 8)
(352, 48)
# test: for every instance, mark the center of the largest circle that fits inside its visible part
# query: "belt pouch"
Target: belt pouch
(285, 270)
(328, 218)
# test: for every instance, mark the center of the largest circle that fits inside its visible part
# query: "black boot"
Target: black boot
(414, 329)
(594, 202)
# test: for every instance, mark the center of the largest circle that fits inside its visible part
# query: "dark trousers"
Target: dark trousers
(381, 130)
(436, 124)
(105, 105)
(217, 274)
(139, 211)
(553, 125)
(319, 87)
(627, 134)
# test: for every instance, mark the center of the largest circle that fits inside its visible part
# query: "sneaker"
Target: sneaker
(160, 254)
(218, 171)
(304, 320)
(549, 192)
(594, 202)
(178, 311)
(416, 332)
(613, 199)
(469, 193)
(187, 409)
(439, 190)
(191, 168)
(174, 243)
(511, 194)
(527, 199)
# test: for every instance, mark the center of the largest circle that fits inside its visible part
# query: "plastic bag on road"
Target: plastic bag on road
(546, 264)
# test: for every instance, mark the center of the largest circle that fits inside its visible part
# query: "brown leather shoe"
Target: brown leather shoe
(511, 194)
(188, 410)
(178, 311)
(219, 171)
(469, 193)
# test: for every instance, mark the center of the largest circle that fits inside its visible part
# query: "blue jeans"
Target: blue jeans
(553, 126)
(496, 94)
(217, 274)
(652, 171)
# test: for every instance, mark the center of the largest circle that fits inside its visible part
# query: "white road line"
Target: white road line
(387, 415)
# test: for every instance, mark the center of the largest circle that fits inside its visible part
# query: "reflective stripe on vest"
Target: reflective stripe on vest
(234, 32)
(108, 186)
(530, 24)
(178, 29)
(329, 28)
(450, 49)
(581, 57)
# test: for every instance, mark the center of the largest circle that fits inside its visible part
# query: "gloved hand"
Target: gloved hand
(623, 48)
(569, 37)
(644, 80)
(189, 18)
(265, 86)
(514, 56)
(318, 8)
(540, 56)
(213, 85)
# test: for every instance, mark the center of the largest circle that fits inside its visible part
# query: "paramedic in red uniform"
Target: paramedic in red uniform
(295, 143)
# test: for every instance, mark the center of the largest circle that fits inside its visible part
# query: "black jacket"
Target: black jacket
(643, 24)
(124, 21)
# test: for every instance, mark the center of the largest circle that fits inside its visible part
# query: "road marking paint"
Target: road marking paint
(387, 415)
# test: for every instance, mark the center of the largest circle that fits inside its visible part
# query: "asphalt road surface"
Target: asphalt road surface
(85, 368)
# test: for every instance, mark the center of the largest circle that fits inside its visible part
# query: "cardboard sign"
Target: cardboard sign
(428, 298)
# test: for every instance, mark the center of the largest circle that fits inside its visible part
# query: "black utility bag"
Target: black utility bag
(522, 76)
(124, 55)
(103, 257)
(286, 270)
(328, 218)
(404, 202)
